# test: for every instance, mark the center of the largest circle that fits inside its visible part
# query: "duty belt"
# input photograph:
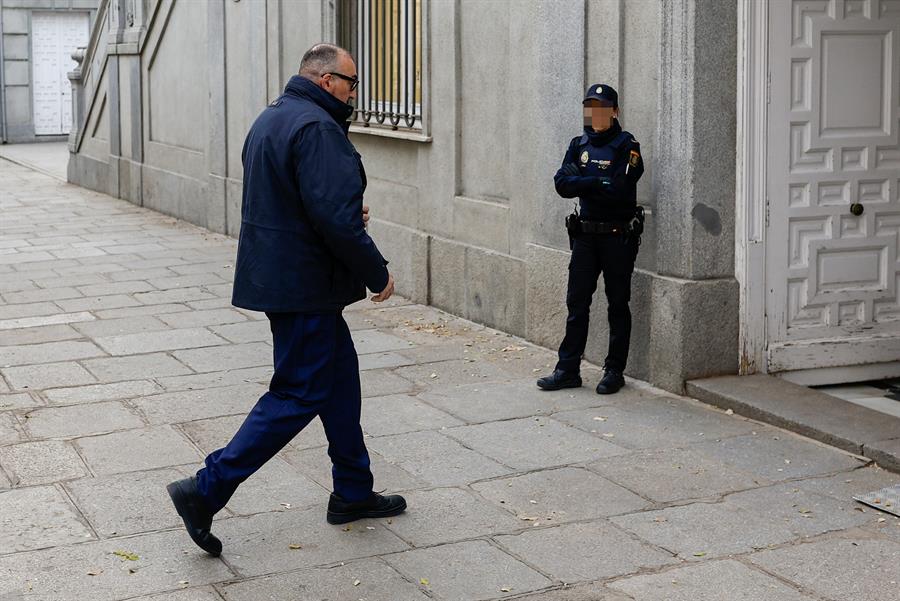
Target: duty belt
(605, 227)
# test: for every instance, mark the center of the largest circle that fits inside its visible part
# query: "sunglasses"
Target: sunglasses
(354, 81)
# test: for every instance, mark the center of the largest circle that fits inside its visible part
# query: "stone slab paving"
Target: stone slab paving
(122, 363)
(839, 568)
(589, 551)
(670, 475)
(726, 580)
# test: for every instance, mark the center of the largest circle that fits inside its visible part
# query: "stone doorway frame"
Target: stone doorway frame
(751, 198)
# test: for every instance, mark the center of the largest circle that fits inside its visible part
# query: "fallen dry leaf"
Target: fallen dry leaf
(423, 581)
(295, 547)
(126, 555)
(512, 347)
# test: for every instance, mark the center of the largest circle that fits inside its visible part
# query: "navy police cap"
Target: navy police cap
(602, 92)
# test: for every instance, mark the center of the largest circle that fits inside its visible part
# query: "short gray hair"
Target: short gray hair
(321, 59)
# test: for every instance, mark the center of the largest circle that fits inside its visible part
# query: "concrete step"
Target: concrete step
(806, 411)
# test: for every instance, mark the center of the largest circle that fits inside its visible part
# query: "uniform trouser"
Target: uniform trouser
(613, 256)
(316, 373)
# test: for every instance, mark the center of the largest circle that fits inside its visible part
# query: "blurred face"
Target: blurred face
(599, 114)
(339, 83)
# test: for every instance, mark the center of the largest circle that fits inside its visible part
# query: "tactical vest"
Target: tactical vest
(604, 161)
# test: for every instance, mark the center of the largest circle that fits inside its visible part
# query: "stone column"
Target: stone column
(116, 15)
(216, 156)
(132, 31)
(694, 322)
(549, 113)
(77, 98)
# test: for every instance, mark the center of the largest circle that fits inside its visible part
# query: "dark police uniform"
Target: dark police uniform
(601, 169)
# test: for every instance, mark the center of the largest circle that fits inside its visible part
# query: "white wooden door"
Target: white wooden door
(54, 36)
(832, 277)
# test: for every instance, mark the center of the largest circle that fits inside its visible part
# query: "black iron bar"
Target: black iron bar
(395, 62)
(367, 113)
(382, 75)
(415, 63)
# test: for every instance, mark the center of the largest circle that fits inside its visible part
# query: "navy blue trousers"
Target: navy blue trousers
(316, 373)
(613, 256)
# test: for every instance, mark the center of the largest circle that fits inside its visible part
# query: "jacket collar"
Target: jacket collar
(304, 88)
(604, 137)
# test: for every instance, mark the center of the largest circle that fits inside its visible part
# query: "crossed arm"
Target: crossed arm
(570, 183)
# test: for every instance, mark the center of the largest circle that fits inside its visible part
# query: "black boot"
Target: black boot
(376, 506)
(197, 518)
(560, 379)
(612, 382)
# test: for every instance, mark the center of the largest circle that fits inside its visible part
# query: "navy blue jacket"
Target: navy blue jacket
(605, 191)
(303, 247)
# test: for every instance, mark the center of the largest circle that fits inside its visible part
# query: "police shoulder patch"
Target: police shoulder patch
(634, 157)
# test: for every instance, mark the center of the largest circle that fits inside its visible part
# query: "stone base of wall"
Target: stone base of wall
(671, 318)
(671, 321)
(407, 250)
(89, 173)
(694, 329)
(478, 284)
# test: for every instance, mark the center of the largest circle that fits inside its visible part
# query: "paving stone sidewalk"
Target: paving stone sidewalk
(123, 363)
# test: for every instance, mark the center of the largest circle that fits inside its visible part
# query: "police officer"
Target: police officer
(601, 168)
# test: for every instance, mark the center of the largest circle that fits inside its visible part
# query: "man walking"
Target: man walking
(602, 168)
(303, 255)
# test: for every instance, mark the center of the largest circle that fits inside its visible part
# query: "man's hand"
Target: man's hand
(571, 169)
(386, 293)
(365, 215)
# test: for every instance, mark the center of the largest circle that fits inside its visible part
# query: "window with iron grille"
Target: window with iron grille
(386, 39)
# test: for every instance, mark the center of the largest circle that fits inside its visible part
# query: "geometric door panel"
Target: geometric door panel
(833, 173)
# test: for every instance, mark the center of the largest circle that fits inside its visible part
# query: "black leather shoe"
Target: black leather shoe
(611, 382)
(376, 506)
(559, 379)
(196, 517)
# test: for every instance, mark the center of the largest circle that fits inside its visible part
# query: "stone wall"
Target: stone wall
(469, 219)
